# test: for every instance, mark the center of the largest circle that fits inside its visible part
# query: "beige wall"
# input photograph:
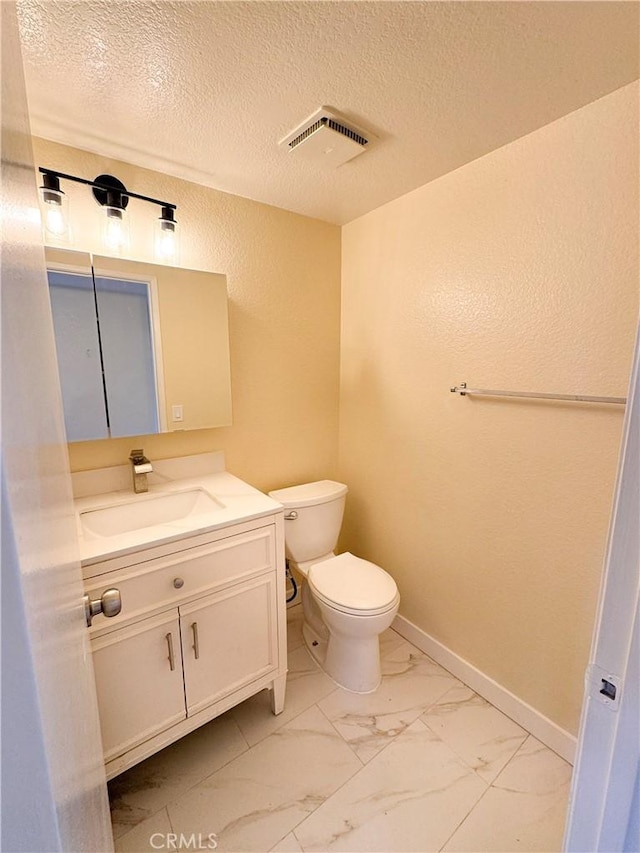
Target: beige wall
(283, 276)
(517, 271)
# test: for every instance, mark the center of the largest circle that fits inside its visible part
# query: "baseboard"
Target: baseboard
(541, 727)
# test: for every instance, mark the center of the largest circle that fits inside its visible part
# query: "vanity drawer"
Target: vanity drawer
(172, 579)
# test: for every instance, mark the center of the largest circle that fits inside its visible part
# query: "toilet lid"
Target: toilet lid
(309, 494)
(349, 582)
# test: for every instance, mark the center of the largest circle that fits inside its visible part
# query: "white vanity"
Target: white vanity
(199, 563)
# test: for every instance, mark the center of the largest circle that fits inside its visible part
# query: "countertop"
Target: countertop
(241, 502)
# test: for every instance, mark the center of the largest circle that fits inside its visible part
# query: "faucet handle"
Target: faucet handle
(141, 464)
(140, 467)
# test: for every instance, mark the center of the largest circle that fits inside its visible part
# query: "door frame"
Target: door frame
(605, 779)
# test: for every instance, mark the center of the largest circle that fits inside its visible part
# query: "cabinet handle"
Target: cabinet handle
(172, 663)
(195, 646)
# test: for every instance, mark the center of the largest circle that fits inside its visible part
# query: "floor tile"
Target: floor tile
(411, 683)
(261, 796)
(389, 639)
(287, 845)
(151, 834)
(141, 791)
(480, 734)
(524, 809)
(410, 797)
(306, 684)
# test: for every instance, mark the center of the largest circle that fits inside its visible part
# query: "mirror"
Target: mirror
(141, 348)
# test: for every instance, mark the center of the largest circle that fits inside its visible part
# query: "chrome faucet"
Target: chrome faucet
(140, 467)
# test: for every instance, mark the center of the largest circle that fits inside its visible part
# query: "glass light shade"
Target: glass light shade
(166, 241)
(55, 214)
(115, 230)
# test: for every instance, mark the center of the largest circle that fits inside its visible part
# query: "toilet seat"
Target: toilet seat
(352, 611)
(352, 585)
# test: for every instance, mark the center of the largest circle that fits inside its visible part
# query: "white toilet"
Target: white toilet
(347, 602)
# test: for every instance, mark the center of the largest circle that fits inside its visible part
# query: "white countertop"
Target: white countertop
(241, 502)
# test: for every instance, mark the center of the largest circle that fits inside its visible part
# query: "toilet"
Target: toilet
(347, 602)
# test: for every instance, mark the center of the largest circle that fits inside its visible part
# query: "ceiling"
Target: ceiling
(205, 90)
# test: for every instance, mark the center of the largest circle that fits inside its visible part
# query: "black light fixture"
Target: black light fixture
(113, 196)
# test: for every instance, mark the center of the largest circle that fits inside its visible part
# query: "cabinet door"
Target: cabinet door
(229, 639)
(139, 682)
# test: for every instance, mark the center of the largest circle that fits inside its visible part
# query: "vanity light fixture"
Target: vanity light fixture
(113, 196)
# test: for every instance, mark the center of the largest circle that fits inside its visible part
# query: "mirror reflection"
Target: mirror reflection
(141, 348)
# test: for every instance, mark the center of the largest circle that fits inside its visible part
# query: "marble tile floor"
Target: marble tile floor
(424, 764)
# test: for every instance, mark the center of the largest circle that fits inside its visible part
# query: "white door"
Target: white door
(54, 795)
(602, 814)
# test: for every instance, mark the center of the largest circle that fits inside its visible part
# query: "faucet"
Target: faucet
(140, 467)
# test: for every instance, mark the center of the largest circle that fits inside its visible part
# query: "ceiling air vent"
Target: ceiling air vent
(328, 139)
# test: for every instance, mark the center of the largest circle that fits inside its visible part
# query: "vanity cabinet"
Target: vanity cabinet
(202, 628)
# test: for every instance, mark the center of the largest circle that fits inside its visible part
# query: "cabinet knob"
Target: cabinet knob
(178, 583)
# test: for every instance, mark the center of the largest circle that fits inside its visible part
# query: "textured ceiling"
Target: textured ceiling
(205, 90)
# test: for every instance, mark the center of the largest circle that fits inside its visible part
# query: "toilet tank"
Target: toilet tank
(319, 508)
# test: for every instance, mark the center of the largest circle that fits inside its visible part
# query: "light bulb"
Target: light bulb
(54, 220)
(166, 238)
(115, 230)
(54, 209)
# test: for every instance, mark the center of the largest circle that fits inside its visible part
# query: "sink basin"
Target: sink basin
(148, 511)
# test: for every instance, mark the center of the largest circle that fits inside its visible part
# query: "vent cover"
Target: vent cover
(326, 138)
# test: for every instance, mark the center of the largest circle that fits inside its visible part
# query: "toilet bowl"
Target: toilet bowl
(347, 602)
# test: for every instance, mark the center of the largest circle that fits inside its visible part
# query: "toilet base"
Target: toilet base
(347, 648)
(316, 645)
(354, 662)
(318, 648)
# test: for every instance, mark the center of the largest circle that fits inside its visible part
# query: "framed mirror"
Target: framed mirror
(141, 348)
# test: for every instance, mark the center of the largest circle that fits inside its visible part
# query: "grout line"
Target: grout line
(423, 719)
(237, 724)
(341, 736)
(166, 808)
(375, 758)
(528, 737)
(299, 843)
(474, 806)
(136, 826)
(290, 719)
(197, 781)
(331, 795)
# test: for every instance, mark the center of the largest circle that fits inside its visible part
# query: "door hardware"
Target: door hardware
(109, 604)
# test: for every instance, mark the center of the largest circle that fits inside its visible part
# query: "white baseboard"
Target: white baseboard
(541, 727)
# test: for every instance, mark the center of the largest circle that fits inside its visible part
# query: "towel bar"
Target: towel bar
(573, 398)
